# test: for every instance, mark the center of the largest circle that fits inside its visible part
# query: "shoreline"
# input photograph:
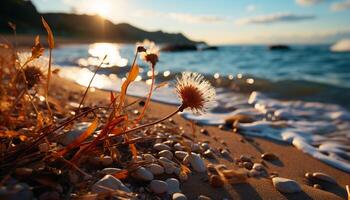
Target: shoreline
(255, 188)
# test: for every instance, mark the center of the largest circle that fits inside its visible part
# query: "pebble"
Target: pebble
(20, 191)
(166, 153)
(204, 131)
(155, 169)
(70, 136)
(317, 186)
(23, 172)
(324, 177)
(209, 154)
(254, 173)
(285, 185)
(173, 185)
(205, 146)
(179, 196)
(106, 161)
(225, 153)
(107, 184)
(180, 154)
(258, 167)
(178, 147)
(168, 165)
(143, 174)
(196, 162)
(195, 148)
(158, 186)
(245, 158)
(216, 181)
(203, 197)
(110, 170)
(269, 156)
(149, 157)
(248, 165)
(161, 147)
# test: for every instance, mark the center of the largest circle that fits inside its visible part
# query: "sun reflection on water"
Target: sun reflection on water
(97, 52)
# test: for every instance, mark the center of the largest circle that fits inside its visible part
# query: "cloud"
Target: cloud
(251, 8)
(184, 17)
(274, 18)
(308, 2)
(345, 5)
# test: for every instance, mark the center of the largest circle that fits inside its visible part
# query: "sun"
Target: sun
(101, 8)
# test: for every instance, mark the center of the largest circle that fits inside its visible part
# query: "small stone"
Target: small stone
(166, 153)
(225, 153)
(23, 171)
(143, 174)
(203, 197)
(169, 142)
(178, 147)
(180, 154)
(245, 158)
(258, 167)
(195, 147)
(44, 147)
(149, 157)
(248, 165)
(324, 177)
(158, 186)
(196, 162)
(308, 175)
(106, 161)
(179, 196)
(209, 154)
(110, 170)
(269, 156)
(155, 169)
(161, 147)
(173, 185)
(254, 173)
(285, 185)
(216, 181)
(70, 136)
(168, 165)
(317, 186)
(108, 183)
(205, 146)
(204, 131)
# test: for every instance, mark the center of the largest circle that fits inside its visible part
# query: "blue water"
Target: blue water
(308, 72)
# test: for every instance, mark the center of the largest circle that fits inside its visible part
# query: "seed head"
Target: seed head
(195, 93)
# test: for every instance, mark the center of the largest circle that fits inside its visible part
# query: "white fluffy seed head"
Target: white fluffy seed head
(196, 94)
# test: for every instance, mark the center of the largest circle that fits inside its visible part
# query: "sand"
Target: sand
(293, 164)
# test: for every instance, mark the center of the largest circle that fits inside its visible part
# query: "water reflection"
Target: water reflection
(97, 51)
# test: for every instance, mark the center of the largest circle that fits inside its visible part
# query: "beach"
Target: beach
(292, 164)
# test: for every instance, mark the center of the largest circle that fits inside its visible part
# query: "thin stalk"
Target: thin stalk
(47, 85)
(87, 89)
(148, 97)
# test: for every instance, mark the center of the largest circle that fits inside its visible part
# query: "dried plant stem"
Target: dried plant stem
(148, 98)
(348, 191)
(48, 84)
(88, 87)
(179, 109)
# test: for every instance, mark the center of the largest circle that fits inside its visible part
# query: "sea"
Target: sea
(299, 96)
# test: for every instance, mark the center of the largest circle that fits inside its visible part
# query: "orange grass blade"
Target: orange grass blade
(37, 49)
(160, 85)
(81, 138)
(50, 38)
(122, 174)
(134, 71)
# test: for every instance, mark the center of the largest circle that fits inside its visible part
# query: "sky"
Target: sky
(224, 21)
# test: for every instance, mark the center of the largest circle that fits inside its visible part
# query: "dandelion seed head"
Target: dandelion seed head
(196, 94)
(149, 51)
(41, 63)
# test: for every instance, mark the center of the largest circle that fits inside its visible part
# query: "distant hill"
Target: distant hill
(27, 18)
